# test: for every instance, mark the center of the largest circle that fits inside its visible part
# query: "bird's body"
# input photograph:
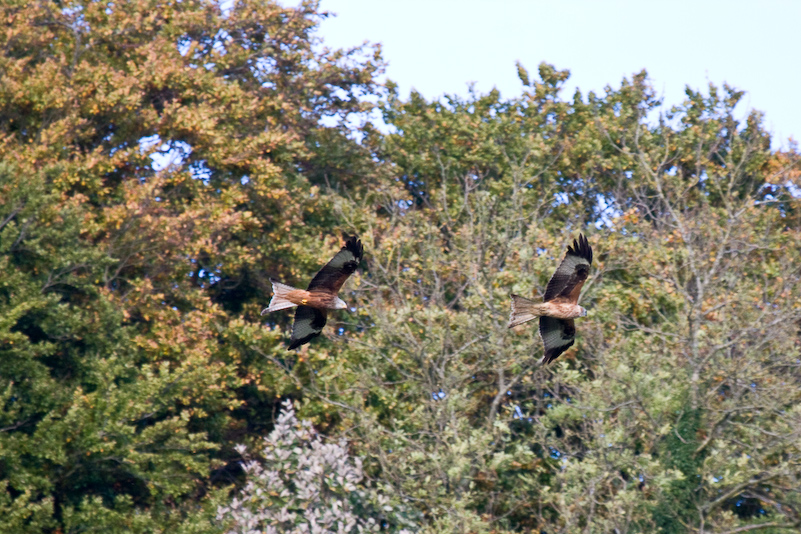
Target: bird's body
(303, 297)
(314, 302)
(560, 306)
(524, 310)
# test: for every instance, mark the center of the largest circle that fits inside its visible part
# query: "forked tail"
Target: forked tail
(279, 300)
(523, 310)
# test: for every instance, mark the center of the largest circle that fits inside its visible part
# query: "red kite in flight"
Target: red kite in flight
(560, 306)
(320, 296)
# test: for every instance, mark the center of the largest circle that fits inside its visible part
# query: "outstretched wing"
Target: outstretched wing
(342, 265)
(569, 277)
(309, 322)
(557, 336)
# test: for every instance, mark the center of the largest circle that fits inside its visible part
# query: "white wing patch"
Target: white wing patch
(553, 338)
(571, 262)
(304, 328)
(309, 322)
(341, 258)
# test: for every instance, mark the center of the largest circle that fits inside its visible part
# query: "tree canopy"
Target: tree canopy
(159, 161)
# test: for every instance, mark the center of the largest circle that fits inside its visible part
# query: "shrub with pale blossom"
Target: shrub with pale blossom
(307, 486)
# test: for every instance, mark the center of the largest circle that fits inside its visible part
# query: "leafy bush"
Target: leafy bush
(305, 485)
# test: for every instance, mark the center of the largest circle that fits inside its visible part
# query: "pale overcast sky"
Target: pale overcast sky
(438, 46)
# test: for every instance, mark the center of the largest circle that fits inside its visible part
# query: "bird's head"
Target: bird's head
(583, 312)
(339, 304)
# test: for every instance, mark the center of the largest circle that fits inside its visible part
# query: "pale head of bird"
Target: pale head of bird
(583, 312)
(339, 304)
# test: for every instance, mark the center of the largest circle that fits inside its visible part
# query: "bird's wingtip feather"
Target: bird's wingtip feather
(353, 244)
(581, 248)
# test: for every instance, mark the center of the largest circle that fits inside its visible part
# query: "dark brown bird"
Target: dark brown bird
(314, 302)
(560, 306)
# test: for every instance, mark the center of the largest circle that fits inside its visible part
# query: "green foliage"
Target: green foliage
(83, 415)
(627, 431)
(127, 369)
(133, 357)
(675, 510)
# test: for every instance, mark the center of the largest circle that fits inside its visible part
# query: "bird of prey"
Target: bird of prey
(314, 302)
(560, 304)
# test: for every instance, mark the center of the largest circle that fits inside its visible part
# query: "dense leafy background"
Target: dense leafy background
(133, 358)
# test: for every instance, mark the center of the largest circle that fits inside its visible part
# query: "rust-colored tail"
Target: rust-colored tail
(279, 300)
(523, 310)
